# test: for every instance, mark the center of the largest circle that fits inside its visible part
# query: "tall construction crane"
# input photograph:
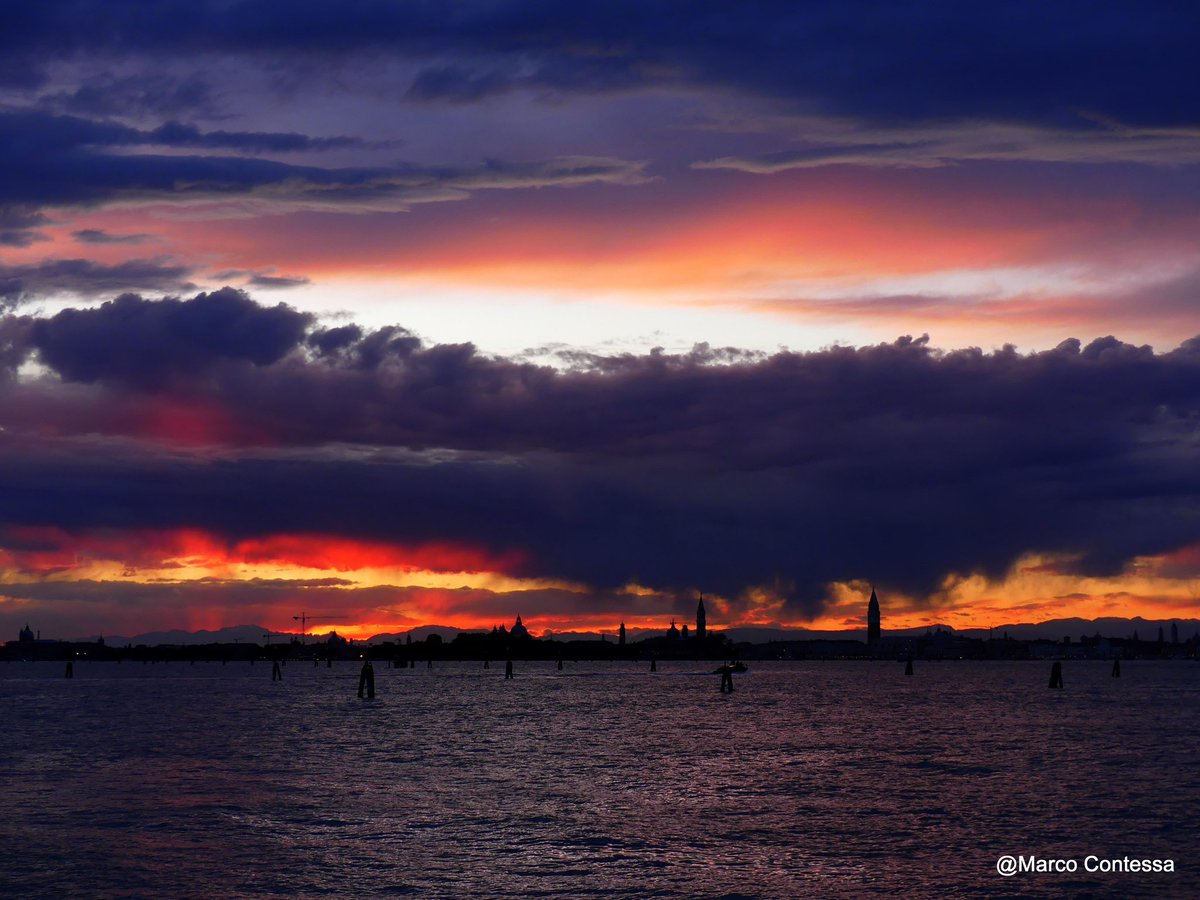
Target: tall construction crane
(305, 618)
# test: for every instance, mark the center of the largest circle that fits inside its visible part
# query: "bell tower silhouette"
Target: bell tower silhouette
(873, 618)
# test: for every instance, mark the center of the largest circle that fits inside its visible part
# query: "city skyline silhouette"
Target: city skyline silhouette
(507, 448)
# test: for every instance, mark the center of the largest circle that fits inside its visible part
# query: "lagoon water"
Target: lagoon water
(811, 779)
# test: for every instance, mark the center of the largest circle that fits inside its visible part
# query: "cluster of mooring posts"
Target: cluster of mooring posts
(1056, 675)
(726, 673)
(366, 681)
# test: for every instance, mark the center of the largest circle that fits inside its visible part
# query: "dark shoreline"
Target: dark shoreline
(715, 648)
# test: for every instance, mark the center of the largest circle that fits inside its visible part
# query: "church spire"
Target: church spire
(873, 629)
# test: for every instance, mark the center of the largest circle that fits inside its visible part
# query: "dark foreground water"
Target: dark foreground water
(818, 779)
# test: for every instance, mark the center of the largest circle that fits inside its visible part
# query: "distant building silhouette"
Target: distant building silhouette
(673, 632)
(873, 630)
(26, 634)
(518, 630)
(621, 636)
(1174, 633)
(701, 620)
(683, 632)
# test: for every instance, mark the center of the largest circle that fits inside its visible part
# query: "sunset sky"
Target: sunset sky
(436, 313)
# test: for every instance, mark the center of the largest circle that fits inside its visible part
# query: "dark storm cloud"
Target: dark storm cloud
(277, 282)
(51, 160)
(471, 82)
(88, 278)
(48, 160)
(177, 134)
(144, 344)
(20, 237)
(98, 236)
(894, 463)
(879, 60)
(326, 341)
(18, 224)
(35, 131)
(145, 93)
(457, 83)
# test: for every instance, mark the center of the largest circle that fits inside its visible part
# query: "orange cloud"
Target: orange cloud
(344, 555)
(43, 550)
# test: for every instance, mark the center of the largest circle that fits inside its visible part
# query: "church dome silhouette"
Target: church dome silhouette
(518, 630)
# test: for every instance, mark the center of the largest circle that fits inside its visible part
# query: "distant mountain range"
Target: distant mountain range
(1054, 629)
(239, 634)
(1110, 627)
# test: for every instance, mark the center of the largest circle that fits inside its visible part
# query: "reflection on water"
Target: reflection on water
(829, 779)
